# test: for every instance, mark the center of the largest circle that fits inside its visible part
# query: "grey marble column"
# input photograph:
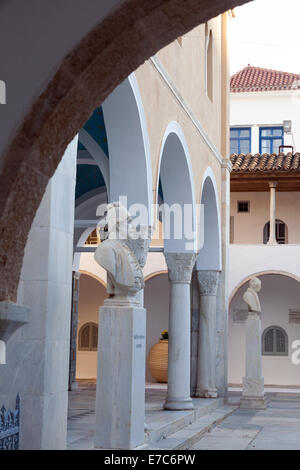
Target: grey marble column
(180, 267)
(73, 331)
(206, 371)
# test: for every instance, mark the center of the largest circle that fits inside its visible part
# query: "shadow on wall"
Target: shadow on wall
(157, 306)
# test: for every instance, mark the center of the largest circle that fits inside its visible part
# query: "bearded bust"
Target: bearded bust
(251, 295)
(122, 253)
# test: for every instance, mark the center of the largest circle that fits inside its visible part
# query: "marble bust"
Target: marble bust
(122, 253)
(251, 295)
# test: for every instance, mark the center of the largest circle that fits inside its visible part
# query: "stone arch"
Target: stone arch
(89, 73)
(94, 276)
(176, 177)
(257, 274)
(154, 274)
(210, 255)
(130, 167)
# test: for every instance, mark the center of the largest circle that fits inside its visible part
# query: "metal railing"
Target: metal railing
(10, 427)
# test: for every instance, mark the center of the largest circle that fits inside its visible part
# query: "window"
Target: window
(93, 238)
(275, 342)
(209, 66)
(270, 139)
(243, 206)
(240, 140)
(294, 315)
(88, 337)
(280, 232)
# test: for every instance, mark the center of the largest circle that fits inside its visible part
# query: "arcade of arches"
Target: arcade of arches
(88, 134)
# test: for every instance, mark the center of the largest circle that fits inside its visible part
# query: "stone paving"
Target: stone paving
(276, 428)
(160, 423)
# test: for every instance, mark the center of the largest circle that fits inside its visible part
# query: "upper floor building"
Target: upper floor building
(264, 111)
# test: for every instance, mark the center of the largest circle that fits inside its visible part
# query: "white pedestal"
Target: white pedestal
(120, 397)
(253, 384)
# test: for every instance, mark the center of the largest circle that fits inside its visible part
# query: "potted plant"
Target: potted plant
(158, 359)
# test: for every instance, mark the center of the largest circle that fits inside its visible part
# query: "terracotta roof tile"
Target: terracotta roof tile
(252, 79)
(266, 163)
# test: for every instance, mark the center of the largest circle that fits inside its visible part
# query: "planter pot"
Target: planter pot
(158, 361)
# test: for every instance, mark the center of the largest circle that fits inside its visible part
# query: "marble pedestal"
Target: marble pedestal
(253, 384)
(120, 397)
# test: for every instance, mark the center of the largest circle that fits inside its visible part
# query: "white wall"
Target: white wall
(248, 227)
(266, 109)
(278, 295)
(246, 260)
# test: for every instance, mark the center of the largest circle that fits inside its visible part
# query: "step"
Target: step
(163, 423)
(186, 437)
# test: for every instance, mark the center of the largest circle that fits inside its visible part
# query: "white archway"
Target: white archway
(258, 274)
(176, 176)
(129, 149)
(210, 255)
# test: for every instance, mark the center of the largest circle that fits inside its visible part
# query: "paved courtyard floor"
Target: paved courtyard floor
(160, 423)
(276, 428)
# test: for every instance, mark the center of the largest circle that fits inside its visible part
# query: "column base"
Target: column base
(178, 404)
(212, 393)
(253, 387)
(253, 403)
(73, 387)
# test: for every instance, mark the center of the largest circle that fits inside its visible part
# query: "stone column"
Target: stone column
(253, 384)
(180, 266)
(73, 331)
(37, 354)
(222, 294)
(272, 238)
(206, 370)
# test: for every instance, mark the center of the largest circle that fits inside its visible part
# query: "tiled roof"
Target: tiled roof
(265, 163)
(258, 79)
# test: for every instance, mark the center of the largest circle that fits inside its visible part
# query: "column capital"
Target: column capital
(272, 184)
(180, 266)
(77, 274)
(226, 164)
(208, 282)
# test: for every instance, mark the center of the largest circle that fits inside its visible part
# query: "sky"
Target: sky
(266, 33)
